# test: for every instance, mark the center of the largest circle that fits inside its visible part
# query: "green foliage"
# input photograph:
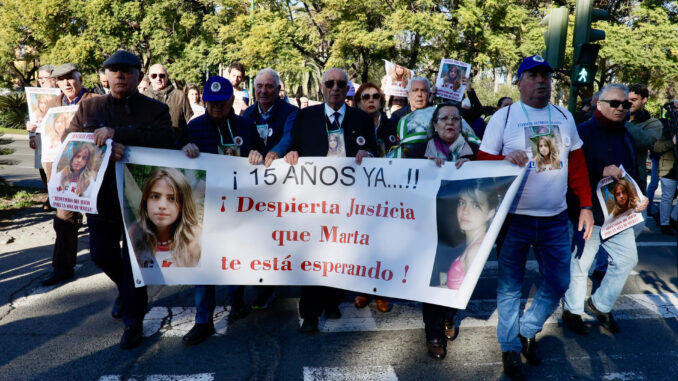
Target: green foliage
(13, 110)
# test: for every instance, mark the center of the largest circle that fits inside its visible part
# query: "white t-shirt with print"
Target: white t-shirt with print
(542, 192)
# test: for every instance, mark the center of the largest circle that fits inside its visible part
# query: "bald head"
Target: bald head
(334, 87)
(158, 75)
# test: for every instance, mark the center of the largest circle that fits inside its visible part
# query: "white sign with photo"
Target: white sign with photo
(52, 127)
(325, 221)
(448, 82)
(78, 172)
(396, 79)
(37, 99)
(620, 201)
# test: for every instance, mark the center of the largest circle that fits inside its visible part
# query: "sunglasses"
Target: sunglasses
(121, 68)
(161, 76)
(615, 103)
(340, 84)
(366, 97)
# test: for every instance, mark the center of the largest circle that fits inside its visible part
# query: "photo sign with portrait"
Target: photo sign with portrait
(448, 82)
(37, 99)
(396, 79)
(619, 200)
(78, 172)
(52, 127)
(325, 221)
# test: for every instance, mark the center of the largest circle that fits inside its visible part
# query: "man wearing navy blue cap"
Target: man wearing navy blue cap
(128, 118)
(543, 137)
(218, 131)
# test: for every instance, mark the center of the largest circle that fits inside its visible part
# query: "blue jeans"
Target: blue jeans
(104, 247)
(666, 208)
(654, 181)
(549, 237)
(623, 257)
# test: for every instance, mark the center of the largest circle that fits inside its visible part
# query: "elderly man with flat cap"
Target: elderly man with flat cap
(66, 223)
(162, 90)
(128, 118)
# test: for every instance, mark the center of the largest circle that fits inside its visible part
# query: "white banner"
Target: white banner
(78, 173)
(52, 128)
(621, 201)
(326, 221)
(37, 99)
(448, 83)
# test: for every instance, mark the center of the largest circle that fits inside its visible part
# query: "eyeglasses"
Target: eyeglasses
(160, 75)
(340, 84)
(445, 119)
(120, 68)
(615, 103)
(366, 97)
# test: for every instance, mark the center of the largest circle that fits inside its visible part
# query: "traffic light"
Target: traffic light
(585, 53)
(555, 36)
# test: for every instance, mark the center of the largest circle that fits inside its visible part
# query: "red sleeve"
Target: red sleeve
(487, 156)
(578, 177)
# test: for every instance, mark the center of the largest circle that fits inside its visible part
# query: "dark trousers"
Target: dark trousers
(104, 245)
(315, 299)
(65, 245)
(434, 320)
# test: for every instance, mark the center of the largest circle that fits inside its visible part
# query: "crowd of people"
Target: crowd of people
(359, 121)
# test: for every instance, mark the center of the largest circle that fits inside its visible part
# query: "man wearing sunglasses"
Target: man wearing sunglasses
(162, 90)
(128, 118)
(608, 146)
(538, 217)
(310, 137)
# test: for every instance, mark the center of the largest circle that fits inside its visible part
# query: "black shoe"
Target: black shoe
(56, 278)
(310, 325)
(512, 365)
(238, 311)
(116, 311)
(437, 348)
(199, 333)
(332, 313)
(606, 320)
(574, 323)
(529, 350)
(132, 336)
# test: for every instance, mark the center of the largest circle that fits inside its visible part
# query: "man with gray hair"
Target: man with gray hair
(608, 146)
(273, 117)
(418, 89)
(162, 90)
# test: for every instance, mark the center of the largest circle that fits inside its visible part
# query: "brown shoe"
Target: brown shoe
(360, 301)
(450, 329)
(436, 348)
(382, 304)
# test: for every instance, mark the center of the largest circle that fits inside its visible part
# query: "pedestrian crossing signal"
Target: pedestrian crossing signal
(584, 74)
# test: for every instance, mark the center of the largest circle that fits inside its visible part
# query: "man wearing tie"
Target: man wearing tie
(325, 130)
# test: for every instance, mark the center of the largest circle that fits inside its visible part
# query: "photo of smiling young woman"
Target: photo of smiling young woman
(77, 168)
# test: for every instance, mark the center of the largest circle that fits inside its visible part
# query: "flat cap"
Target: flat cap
(63, 70)
(122, 58)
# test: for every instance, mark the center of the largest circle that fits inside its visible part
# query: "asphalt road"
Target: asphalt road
(21, 172)
(66, 332)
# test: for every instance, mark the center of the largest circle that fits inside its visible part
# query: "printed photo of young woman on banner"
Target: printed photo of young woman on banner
(545, 144)
(335, 140)
(37, 99)
(163, 210)
(52, 129)
(77, 174)
(465, 211)
(622, 203)
(396, 79)
(449, 82)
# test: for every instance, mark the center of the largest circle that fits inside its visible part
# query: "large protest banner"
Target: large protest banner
(77, 173)
(326, 221)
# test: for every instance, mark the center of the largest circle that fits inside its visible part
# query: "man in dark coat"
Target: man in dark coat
(162, 90)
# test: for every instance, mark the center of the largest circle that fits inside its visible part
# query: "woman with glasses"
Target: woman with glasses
(371, 99)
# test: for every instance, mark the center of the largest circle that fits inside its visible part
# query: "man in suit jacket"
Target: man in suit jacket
(310, 138)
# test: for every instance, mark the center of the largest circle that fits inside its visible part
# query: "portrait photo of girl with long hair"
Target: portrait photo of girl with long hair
(77, 168)
(167, 226)
(621, 196)
(465, 210)
(547, 154)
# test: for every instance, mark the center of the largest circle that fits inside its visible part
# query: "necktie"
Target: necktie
(335, 123)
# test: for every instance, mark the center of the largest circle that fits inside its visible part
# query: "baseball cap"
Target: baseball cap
(532, 62)
(351, 90)
(217, 89)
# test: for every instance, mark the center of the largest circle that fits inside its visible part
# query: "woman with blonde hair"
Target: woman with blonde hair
(168, 220)
(547, 154)
(78, 175)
